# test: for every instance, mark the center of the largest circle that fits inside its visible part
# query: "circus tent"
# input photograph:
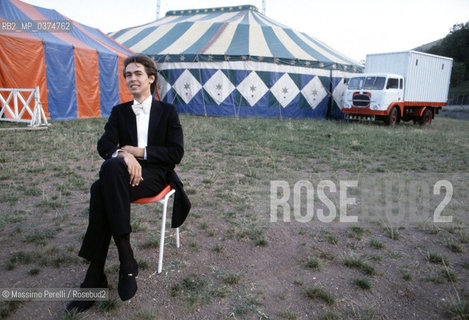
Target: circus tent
(235, 61)
(78, 68)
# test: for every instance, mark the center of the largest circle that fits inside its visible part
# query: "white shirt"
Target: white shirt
(143, 123)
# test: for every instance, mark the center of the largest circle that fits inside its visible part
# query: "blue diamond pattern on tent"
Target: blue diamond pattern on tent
(235, 61)
(285, 90)
(219, 87)
(314, 92)
(187, 86)
(252, 88)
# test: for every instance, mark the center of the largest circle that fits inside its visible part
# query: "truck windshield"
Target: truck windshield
(366, 83)
(374, 83)
(356, 83)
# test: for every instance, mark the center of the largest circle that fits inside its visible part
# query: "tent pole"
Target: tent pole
(329, 105)
(157, 9)
(200, 81)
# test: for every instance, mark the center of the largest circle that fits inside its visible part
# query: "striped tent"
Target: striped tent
(235, 61)
(78, 68)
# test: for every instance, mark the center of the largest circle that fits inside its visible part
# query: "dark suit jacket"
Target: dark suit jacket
(164, 150)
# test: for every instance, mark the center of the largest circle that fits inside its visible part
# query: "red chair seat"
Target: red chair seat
(158, 197)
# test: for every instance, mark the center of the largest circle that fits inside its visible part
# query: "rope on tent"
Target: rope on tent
(279, 105)
(329, 104)
(233, 104)
(241, 97)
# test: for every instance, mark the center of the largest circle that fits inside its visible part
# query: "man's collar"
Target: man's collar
(145, 106)
(146, 102)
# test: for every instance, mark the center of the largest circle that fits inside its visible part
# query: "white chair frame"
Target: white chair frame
(164, 201)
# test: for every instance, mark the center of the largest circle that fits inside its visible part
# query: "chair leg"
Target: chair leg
(162, 236)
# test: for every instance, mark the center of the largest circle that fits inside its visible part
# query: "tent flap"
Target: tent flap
(87, 82)
(18, 55)
(60, 81)
(108, 82)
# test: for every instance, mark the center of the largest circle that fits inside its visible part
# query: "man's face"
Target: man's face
(137, 80)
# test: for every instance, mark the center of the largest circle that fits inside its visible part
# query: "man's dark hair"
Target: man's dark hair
(147, 63)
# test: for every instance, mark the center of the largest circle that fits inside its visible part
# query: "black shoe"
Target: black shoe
(82, 305)
(127, 286)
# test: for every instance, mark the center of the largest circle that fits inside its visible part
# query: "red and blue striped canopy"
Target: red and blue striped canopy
(78, 70)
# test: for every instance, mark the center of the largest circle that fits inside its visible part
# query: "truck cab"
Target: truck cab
(371, 96)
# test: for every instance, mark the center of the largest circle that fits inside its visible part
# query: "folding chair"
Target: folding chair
(163, 198)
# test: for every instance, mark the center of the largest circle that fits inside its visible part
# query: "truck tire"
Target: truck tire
(426, 117)
(393, 117)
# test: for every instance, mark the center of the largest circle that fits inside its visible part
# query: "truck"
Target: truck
(408, 86)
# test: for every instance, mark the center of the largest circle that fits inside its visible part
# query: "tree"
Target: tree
(456, 46)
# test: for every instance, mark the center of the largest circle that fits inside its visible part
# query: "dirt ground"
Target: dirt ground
(234, 262)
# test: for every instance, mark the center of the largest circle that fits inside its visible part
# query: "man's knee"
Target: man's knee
(95, 187)
(112, 166)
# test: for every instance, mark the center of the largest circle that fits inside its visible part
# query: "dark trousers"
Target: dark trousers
(110, 200)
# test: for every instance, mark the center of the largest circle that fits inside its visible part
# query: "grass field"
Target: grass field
(396, 262)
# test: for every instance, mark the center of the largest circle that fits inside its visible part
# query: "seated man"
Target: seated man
(141, 144)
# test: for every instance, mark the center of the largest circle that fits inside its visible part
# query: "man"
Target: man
(141, 144)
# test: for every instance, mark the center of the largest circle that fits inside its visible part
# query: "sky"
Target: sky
(353, 27)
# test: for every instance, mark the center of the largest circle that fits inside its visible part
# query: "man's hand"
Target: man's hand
(135, 169)
(135, 151)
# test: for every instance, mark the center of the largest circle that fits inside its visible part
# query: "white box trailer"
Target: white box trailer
(426, 76)
(407, 85)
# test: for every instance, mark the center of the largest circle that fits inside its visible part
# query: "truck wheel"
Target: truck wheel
(426, 117)
(393, 117)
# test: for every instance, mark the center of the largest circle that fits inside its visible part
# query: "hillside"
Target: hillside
(426, 47)
(456, 46)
